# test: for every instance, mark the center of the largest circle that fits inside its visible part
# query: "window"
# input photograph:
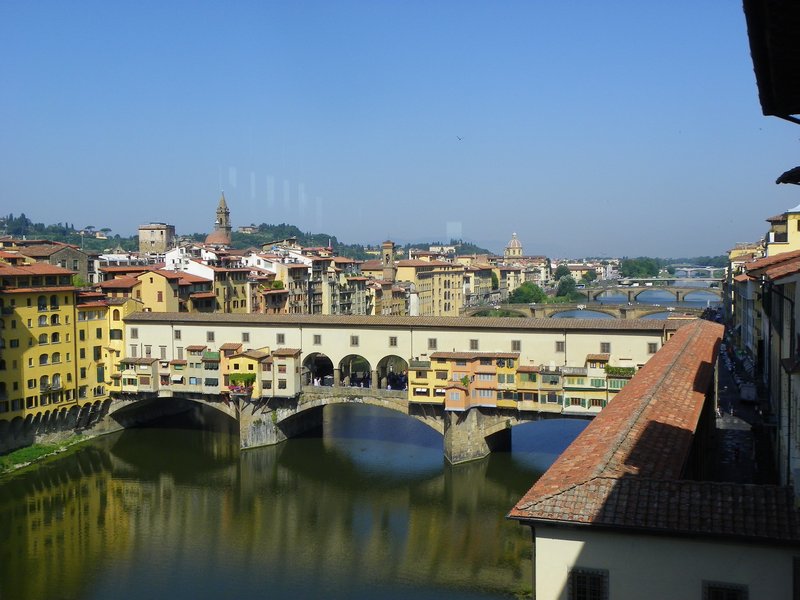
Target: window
(561, 346)
(280, 338)
(281, 384)
(115, 334)
(246, 337)
(179, 351)
(652, 347)
(587, 584)
(82, 335)
(133, 350)
(162, 352)
(421, 374)
(516, 346)
(598, 383)
(134, 333)
(317, 339)
(159, 296)
(148, 350)
(209, 336)
(605, 347)
(97, 353)
(82, 353)
(281, 368)
(354, 340)
(177, 334)
(393, 341)
(83, 373)
(431, 343)
(473, 344)
(714, 590)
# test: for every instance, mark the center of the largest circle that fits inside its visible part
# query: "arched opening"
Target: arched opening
(56, 358)
(43, 359)
(44, 382)
(115, 315)
(54, 319)
(393, 373)
(42, 320)
(2, 365)
(41, 302)
(354, 370)
(56, 383)
(317, 369)
(55, 338)
(53, 301)
(43, 338)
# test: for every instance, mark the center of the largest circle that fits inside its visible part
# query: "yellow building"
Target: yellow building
(38, 365)
(438, 284)
(784, 232)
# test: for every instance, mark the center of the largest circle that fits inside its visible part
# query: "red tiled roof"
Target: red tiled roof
(769, 261)
(286, 352)
(202, 295)
(230, 346)
(196, 348)
(120, 283)
(598, 357)
(623, 470)
(34, 269)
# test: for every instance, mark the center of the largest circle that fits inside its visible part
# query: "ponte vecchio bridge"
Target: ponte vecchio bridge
(316, 361)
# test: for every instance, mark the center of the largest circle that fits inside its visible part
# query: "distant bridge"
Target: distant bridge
(618, 311)
(633, 292)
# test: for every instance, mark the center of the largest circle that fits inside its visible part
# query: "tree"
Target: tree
(526, 293)
(589, 275)
(561, 271)
(566, 287)
(495, 281)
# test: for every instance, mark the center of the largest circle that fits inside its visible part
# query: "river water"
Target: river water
(366, 509)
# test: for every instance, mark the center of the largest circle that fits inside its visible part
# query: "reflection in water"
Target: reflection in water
(370, 509)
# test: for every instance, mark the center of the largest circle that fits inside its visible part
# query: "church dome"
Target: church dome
(514, 243)
(218, 238)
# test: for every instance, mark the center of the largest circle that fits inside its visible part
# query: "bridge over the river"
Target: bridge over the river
(468, 435)
(619, 311)
(633, 292)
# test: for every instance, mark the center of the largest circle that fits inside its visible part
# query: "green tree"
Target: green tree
(566, 287)
(526, 293)
(495, 281)
(561, 271)
(589, 276)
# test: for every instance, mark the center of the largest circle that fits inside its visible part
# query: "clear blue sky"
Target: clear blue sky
(589, 128)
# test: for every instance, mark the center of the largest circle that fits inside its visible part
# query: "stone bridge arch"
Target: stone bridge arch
(318, 366)
(354, 370)
(133, 409)
(392, 372)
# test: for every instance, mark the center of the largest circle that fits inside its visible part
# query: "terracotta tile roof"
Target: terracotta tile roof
(255, 354)
(33, 269)
(742, 277)
(624, 470)
(286, 352)
(202, 295)
(598, 357)
(371, 265)
(769, 261)
(177, 362)
(120, 283)
(139, 361)
(197, 348)
(528, 369)
(230, 346)
(775, 267)
(366, 321)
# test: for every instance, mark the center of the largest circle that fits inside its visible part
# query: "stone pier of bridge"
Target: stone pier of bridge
(467, 435)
